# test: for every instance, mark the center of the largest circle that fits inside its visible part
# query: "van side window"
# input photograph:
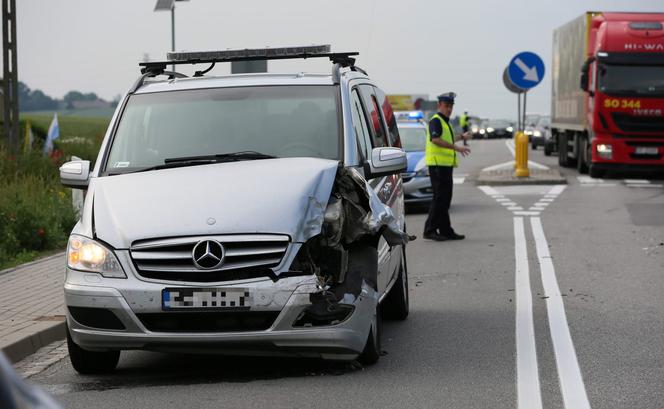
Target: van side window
(378, 134)
(390, 119)
(360, 125)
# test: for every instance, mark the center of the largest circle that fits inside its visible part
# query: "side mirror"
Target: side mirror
(584, 75)
(75, 174)
(386, 161)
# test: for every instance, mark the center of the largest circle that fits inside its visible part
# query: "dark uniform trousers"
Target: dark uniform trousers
(442, 184)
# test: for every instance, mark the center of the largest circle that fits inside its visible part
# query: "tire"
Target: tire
(547, 149)
(91, 362)
(563, 159)
(533, 146)
(582, 152)
(396, 303)
(372, 348)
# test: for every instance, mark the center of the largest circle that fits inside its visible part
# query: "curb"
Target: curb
(27, 341)
(28, 264)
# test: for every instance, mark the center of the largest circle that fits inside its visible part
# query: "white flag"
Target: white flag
(53, 134)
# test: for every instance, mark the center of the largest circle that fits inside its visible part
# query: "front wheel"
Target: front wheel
(547, 149)
(396, 303)
(91, 362)
(372, 348)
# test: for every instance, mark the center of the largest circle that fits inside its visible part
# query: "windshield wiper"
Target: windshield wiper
(206, 159)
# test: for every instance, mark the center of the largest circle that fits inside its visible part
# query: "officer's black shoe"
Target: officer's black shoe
(434, 236)
(454, 236)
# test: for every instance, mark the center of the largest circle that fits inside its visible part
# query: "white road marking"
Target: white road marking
(537, 208)
(598, 185)
(527, 374)
(510, 145)
(502, 199)
(489, 191)
(512, 208)
(537, 165)
(499, 166)
(458, 180)
(526, 213)
(569, 373)
(636, 181)
(547, 199)
(557, 189)
(646, 186)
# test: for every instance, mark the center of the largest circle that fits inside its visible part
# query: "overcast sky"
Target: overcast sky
(408, 47)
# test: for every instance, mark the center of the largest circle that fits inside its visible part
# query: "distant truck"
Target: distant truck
(613, 119)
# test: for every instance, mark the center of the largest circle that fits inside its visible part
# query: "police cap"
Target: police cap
(447, 97)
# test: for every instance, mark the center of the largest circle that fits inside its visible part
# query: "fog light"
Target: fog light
(605, 151)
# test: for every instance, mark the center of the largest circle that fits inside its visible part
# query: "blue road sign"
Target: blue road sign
(526, 70)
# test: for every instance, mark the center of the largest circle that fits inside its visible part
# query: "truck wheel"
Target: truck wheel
(533, 146)
(91, 362)
(563, 160)
(582, 153)
(395, 305)
(372, 348)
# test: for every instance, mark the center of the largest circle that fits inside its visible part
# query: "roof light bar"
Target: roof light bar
(249, 53)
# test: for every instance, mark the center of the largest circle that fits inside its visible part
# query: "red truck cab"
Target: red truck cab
(620, 125)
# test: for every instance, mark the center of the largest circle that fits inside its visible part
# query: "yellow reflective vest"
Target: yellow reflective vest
(436, 155)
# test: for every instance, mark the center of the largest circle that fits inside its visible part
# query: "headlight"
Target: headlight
(510, 129)
(423, 172)
(88, 255)
(537, 134)
(482, 131)
(474, 129)
(605, 151)
(490, 129)
(529, 132)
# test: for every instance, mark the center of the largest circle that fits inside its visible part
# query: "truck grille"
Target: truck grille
(246, 256)
(637, 124)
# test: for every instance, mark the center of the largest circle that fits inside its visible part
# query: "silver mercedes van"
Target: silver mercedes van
(240, 214)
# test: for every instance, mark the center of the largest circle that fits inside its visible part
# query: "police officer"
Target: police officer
(441, 158)
(463, 122)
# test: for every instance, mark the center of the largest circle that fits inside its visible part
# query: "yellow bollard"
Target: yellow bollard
(521, 153)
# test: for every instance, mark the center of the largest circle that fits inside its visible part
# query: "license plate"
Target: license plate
(205, 298)
(646, 150)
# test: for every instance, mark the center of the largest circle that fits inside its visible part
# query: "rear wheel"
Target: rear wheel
(563, 158)
(547, 149)
(396, 305)
(91, 362)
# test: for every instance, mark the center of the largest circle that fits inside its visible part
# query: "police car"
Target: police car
(413, 133)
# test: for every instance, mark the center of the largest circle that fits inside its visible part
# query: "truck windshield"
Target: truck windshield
(631, 80)
(281, 121)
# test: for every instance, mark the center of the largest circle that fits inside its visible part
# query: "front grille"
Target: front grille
(224, 321)
(638, 124)
(246, 256)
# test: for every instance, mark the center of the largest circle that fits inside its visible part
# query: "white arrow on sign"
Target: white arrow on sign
(530, 72)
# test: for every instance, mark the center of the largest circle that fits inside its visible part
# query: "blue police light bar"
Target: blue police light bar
(250, 53)
(409, 115)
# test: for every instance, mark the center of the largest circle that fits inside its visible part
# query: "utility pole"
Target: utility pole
(10, 75)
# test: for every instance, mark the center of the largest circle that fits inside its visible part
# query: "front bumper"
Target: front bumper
(129, 299)
(417, 189)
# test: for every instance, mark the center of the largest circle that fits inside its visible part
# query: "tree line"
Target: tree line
(36, 100)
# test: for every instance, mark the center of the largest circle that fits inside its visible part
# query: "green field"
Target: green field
(36, 213)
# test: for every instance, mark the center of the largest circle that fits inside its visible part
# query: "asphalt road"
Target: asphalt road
(583, 324)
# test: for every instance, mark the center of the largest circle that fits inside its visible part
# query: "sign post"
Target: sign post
(524, 72)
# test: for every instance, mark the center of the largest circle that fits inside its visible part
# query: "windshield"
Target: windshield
(281, 121)
(629, 79)
(544, 122)
(413, 139)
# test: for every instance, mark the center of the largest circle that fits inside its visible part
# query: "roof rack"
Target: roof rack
(340, 60)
